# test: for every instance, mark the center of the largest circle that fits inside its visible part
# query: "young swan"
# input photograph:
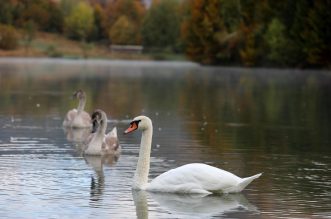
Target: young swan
(100, 143)
(78, 118)
(190, 178)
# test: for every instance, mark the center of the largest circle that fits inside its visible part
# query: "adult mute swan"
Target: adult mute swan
(78, 118)
(100, 143)
(190, 178)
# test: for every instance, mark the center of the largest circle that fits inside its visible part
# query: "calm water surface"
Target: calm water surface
(242, 120)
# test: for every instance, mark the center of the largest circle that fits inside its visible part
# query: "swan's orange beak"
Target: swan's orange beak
(133, 126)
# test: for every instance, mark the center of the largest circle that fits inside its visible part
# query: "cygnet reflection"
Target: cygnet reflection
(77, 135)
(98, 179)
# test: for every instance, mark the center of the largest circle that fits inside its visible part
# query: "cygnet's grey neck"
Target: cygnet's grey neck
(102, 128)
(81, 104)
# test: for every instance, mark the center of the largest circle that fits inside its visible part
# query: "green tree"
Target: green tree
(67, 6)
(231, 14)
(36, 11)
(28, 35)
(317, 34)
(154, 35)
(248, 52)
(276, 40)
(56, 18)
(46, 15)
(79, 23)
(133, 10)
(123, 32)
(8, 37)
(6, 12)
(298, 56)
(100, 31)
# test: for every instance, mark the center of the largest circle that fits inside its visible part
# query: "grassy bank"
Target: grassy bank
(53, 45)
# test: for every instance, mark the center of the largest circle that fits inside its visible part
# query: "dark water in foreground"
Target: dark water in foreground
(242, 120)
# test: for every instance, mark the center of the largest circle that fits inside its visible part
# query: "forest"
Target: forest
(249, 33)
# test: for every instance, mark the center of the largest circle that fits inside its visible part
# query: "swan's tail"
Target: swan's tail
(113, 133)
(246, 181)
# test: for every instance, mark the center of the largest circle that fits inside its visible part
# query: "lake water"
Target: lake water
(245, 121)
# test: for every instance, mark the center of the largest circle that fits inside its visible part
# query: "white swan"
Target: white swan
(190, 178)
(78, 118)
(100, 143)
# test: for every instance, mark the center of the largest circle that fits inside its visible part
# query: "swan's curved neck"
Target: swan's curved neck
(103, 127)
(142, 171)
(81, 104)
(95, 145)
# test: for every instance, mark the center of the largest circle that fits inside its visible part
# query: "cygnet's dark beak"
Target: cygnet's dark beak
(95, 126)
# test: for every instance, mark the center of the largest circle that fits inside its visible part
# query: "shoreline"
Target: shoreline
(119, 62)
(133, 63)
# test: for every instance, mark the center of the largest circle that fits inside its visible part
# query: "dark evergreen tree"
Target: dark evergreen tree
(160, 29)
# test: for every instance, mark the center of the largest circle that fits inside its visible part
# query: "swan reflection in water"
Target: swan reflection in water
(78, 138)
(98, 180)
(192, 205)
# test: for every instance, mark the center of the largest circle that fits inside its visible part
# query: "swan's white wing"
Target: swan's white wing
(113, 133)
(194, 178)
(85, 116)
(111, 144)
(82, 120)
(85, 119)
(111, 139)
(71, 114)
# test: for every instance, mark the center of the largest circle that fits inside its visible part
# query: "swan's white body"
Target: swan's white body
(78, 118)
(199, 178)
(191, 178)
(100, 143)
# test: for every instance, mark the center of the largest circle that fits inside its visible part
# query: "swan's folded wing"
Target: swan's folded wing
(71, 114)
(192, 178)
(85, 116)
(112, 142)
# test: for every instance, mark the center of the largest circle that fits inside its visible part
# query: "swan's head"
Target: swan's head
(139, 123)
(98, 117)
(79, 94)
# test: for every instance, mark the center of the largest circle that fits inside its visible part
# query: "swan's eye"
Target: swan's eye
(134, 123)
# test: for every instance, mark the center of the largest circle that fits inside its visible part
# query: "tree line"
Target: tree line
(220, 32)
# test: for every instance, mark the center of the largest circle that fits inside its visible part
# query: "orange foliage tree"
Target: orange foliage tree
(132, 10)
(100, 23)
(207, 39)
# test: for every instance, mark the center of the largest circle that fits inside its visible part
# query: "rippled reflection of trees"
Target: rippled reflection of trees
(291, 108)
(252, 107)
